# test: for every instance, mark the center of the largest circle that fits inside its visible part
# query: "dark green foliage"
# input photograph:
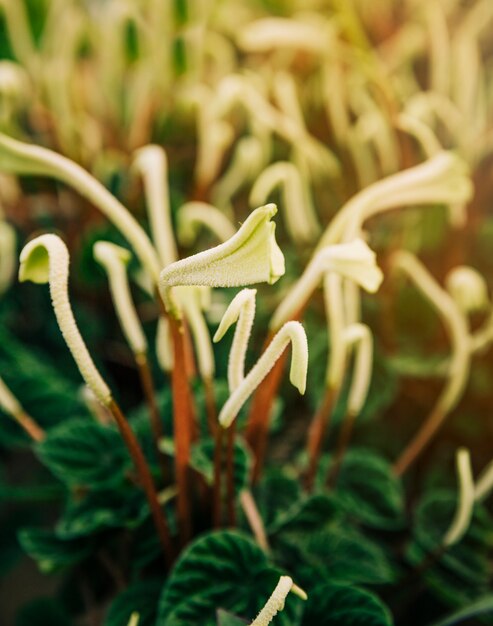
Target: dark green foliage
(226, 570)
(203, 461)
(141, 597)
(344, 605)
(81, 452)
(41, 612)
(46, 394)
(481, 607)
(462, 573)
(368, 490)
(50, 552)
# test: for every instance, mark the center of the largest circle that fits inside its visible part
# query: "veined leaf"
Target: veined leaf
(344, 605)
(483, 606)
(227, 570)
(50, 552)
(141, 597)
(462, 573)
(42, 390)
(275, 494)
(318, 541)
(202, 460)
(369, 491)
(84, 453)
(100, 510)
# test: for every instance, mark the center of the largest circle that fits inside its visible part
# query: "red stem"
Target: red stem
(145, 479)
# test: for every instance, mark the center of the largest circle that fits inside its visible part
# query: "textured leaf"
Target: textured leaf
(275, 494)
(203, 461)
(340, 605)
(369, 491)
(318, 541)
(50, 552)
(140, 597)
(226, 570)
(83, 452)
(97, 511)
(42, 389)
(462, 573)
(484, 606)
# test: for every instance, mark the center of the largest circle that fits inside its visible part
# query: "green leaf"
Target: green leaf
(41, 612)
(202, 460)
(484, 606)
(43, 390)
(342, 605)
(317, 540)
(81, 452)
(224, 618)
(100, 510)
(369, 491)
(462, 573)
(275, 494)
(140, 597)
(50, 552)
(227, 570)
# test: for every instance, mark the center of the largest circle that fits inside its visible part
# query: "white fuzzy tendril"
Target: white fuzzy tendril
(468, 288)
(277, 600)
(192, 216)
(193, 301)
(360, 339)
(442, 179)
(152, 163)
(21, 158)
(250, 256)
(299, 213)
(354, 260)
(114, 259)
(465, 505)
(46, 260)
(291, 332)
(241, 312)
(454, 321)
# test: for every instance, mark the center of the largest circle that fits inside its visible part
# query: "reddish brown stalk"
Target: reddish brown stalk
(217, 490)
(210, 405)
(182, 426)
(31, 427)
(420, 441)
(257, 428)
(230, 474)
(317, 432)
(345, 433)
(150, 396)
(145, 480)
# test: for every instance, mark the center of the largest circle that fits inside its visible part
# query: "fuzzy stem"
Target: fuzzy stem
(150, 396)
(145, 479)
